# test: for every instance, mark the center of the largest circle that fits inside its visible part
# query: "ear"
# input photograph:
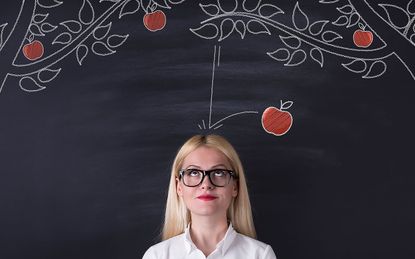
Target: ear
(179, 188)
(235, 189)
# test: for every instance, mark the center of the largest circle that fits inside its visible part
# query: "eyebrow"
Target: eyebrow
(213, 167)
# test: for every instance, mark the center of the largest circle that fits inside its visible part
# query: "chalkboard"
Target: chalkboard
(316, 96)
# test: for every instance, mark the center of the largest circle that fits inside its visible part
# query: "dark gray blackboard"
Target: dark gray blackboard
(85, 162)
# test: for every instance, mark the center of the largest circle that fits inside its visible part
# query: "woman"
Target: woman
(208, 213)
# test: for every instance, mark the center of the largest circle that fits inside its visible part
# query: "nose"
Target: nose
(206, 184)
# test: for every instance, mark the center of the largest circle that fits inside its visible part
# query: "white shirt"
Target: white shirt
(232, 246)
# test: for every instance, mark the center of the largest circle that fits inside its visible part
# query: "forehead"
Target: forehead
(205, 157)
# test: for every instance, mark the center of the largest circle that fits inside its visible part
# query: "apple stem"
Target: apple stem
(146, 9)
(142, 6)
(30, 37)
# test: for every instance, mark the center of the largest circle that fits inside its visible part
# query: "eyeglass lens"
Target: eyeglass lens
(194, 177)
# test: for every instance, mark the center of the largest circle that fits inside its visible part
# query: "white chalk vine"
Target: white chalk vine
(28, 37)
(394, 30)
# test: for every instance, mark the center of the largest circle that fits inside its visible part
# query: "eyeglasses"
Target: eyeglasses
(217, 177)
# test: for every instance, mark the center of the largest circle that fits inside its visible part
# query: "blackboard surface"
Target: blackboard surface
(85, 156)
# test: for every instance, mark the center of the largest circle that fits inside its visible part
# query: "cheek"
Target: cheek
(227, 196)
(187, 195)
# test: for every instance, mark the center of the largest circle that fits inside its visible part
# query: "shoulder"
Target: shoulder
(160, 250)
(245, 240)
(251, 245)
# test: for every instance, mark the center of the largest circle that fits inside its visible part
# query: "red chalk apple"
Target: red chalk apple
(154, 21)
(33, 50)
(277, 121)
(362, 38)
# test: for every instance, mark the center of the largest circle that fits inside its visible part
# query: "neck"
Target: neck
(207, 232)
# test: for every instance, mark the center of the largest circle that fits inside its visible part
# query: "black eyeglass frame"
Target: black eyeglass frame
(207, 172)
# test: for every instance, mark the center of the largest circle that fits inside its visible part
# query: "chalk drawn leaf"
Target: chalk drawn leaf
(63, 38)
(291, 41)
(269, 10)
(228, 12)
(28, 84)
(81, 53)
(397, 16)
(317, 56)
(99, 48)
(102, 31)
(330, 36)
(253, 7)
(162, 3)
(46, 75)
(206, 31)
(51, 4)
(226, 28)
(1, 33)
(286, 105)
(328, 1)
(153, 6)
(209, 9)
(356, 66)
(38, 18)
(72, 26)
(47, 27)
(375, 70)
(317, 27)
(86, 13)
(341, 21)
(410, 7)
(240, 28)
(299, 18)
(129, 7)
(35, 30)
(257, 27)
(345, 9)
(353, 20)
(412, 38)
(176, 1)
(116, 40)
(297, 58)
(281, 54)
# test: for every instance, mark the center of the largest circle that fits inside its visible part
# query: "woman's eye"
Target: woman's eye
(219, 173)
(193, 173)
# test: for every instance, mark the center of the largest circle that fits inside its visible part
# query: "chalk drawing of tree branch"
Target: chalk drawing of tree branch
(396, 36)
(31, 25)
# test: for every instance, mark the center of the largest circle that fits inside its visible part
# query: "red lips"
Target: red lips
(206, 197)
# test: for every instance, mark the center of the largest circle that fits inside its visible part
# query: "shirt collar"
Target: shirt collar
(190, 246)
(222, 246)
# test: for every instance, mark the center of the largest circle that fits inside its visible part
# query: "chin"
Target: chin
(205, 210)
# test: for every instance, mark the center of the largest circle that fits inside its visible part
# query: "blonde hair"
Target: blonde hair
(239, 213)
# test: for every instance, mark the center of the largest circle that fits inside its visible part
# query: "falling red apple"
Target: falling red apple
(362, 38)
(276, 121)
(33, 50)
(154, 21)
